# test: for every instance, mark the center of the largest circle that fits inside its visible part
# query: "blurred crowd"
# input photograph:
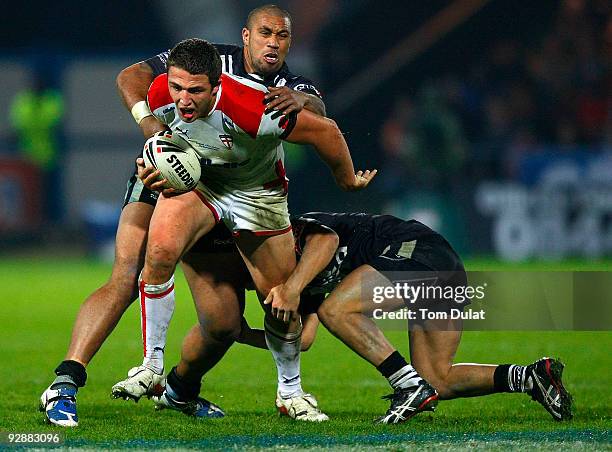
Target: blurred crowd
(519, 97)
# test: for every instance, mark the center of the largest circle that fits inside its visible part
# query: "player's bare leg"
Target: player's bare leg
(270, 261)
(345, 314)
(219, 300)
(102, 310)
(99, 314)
(432, 351)
(217, 286)
(176, 224)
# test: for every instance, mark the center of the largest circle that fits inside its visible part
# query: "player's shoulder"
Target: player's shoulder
(322, 217)
(305, 225)
(228, 49)
(296, 82)
(235, 83)
(239, 94)
(242, 101)
(312, 221)
(341, 221)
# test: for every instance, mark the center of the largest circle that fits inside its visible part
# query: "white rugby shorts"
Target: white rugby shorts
(262, 211)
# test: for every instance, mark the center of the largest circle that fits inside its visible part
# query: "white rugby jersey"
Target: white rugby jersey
(239, 145)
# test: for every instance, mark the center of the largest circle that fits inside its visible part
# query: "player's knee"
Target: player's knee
(265, 286)
(330, 313)
(221, 330)
(225, 333)
(162, 258)
(124, 278)
(307, 342)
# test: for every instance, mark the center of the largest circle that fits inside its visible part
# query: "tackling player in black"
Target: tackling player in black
(348, 255)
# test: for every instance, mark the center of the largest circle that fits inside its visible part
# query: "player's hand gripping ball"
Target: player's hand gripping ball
(175, 159)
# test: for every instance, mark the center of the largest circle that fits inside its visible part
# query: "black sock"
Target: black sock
(510, 378)
(184, 389)
(74, 370)
(391, 364)
(398, 372)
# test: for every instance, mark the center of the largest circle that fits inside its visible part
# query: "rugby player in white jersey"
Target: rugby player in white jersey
(243, 184)
(266, 41)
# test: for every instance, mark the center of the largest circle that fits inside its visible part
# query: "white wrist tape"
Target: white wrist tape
(140, 110)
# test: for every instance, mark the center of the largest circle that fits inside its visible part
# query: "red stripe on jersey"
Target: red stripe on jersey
(158, 94)
(243, 104)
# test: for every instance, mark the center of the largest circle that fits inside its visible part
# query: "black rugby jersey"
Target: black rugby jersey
(232, 62)
(362, 238)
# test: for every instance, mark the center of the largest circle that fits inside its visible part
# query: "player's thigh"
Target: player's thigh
(433, 346)
(270, 260)
(217, 282)
(131, 240)
(177, 223)
(359, 292)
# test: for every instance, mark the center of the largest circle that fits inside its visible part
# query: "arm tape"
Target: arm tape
(140, 110)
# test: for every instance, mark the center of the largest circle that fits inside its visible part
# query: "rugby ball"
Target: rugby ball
(175, 159)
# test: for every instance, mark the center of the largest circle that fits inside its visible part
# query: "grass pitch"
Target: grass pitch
(40, 301)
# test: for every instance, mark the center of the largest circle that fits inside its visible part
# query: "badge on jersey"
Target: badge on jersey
(227, 140)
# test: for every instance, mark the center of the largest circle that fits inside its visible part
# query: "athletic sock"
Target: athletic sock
(398, 372)
(71, 373)
(285, 349)
(180, 388)
(511, 378)
(156, 309)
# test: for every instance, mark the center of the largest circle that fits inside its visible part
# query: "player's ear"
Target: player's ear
(245, 36)
(215, 89)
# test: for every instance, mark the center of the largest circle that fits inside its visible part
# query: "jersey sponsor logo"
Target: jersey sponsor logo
(398, 253)
(167, 115)
(306, 87)
(198, 144)
(331, 275)
(223, 242)
(227, 140)
(182, 131)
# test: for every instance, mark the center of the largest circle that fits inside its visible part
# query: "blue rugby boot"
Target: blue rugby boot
(59, 405)
(198, 407)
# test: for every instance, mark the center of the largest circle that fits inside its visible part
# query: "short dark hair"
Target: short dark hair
(272, 9)
(197, 56)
